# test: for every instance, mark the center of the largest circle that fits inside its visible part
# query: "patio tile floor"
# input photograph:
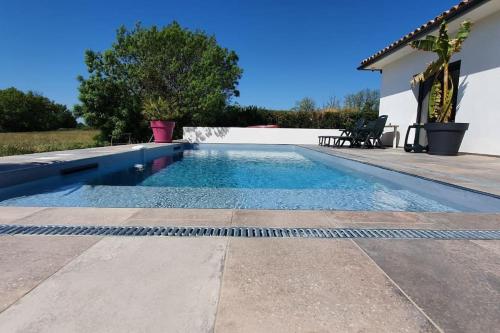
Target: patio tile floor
(274, 284)
(457, 283)
(127, 285)
(25, 262)
(60, 284)
(289, 285)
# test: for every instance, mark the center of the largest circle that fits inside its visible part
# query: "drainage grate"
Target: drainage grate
(62, 230)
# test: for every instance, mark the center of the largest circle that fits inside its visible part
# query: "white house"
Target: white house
(476, 68)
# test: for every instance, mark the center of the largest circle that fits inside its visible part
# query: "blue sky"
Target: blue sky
(288, 49)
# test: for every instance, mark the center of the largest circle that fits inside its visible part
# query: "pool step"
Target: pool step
(68, 230)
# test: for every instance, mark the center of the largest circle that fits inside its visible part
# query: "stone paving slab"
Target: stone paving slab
(464, 220)
(281, 218)
(301, 285)
(77, 216)
(490, 246)
(127, 285)
(11, 214)
(421, 220)
(25, 262)
(258, 218)
(353, 219)
(181, 217)
(456, 283)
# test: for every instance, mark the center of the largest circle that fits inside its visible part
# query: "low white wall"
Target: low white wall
(255, 135)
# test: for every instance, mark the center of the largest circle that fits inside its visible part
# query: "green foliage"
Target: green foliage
(158, 108)
(440, 103)
(306, 104)
(23, 112)
(168, 72)
(364, 100)
(237, 116)
(39, 142)
(332, 115)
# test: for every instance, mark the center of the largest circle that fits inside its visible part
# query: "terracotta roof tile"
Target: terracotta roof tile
(463, 6)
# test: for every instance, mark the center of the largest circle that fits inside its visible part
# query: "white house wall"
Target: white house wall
(479, 92)
(398, 100)
(479, 88)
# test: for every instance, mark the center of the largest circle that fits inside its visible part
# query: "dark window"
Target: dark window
(425, 88)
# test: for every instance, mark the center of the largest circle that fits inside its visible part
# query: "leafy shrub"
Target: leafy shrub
(237, 116)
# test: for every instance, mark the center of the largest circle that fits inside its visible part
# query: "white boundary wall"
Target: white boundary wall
(255, 135)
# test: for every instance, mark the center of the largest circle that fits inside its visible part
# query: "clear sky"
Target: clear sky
(288, 49)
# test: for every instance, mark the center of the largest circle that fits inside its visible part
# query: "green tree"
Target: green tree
(23, 112)
(192, 76)
(306, 104)
(366, 100)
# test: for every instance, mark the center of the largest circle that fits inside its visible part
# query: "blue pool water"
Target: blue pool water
(232, 176)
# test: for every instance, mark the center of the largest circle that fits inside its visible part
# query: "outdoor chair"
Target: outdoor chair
(369, 136)
(345, 135)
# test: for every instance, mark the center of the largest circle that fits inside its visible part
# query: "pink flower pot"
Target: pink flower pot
(162, 130)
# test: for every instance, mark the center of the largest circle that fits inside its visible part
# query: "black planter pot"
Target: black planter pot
(445, 138)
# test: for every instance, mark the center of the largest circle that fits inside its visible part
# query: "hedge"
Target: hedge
(236, 116)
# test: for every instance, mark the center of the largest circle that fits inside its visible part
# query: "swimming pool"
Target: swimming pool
(247, 177)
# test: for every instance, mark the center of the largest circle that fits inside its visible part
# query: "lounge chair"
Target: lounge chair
(345, 135)
(369, 136)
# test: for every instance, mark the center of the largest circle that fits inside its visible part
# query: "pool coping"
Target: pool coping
(32, 167)
(434, 180)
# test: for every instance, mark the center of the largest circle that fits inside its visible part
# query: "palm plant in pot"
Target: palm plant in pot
(444, 135)
(161, 115)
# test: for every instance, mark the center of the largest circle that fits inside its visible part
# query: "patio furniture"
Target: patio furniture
(395, 134)
(369, 136)
(416, 146)
(345, 135)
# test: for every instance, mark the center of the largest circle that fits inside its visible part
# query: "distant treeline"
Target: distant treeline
(23, 112)
(363, 100)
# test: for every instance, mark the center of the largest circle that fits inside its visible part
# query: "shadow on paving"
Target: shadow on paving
(456, 283)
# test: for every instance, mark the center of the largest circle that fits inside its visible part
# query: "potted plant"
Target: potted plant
(444, 136)
(161, 115)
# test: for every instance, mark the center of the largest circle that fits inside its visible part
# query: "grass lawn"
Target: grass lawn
(38, 142)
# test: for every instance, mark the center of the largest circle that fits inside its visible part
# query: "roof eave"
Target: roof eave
(426, 30)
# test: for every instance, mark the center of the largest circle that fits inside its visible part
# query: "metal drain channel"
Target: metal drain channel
(65, 230)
